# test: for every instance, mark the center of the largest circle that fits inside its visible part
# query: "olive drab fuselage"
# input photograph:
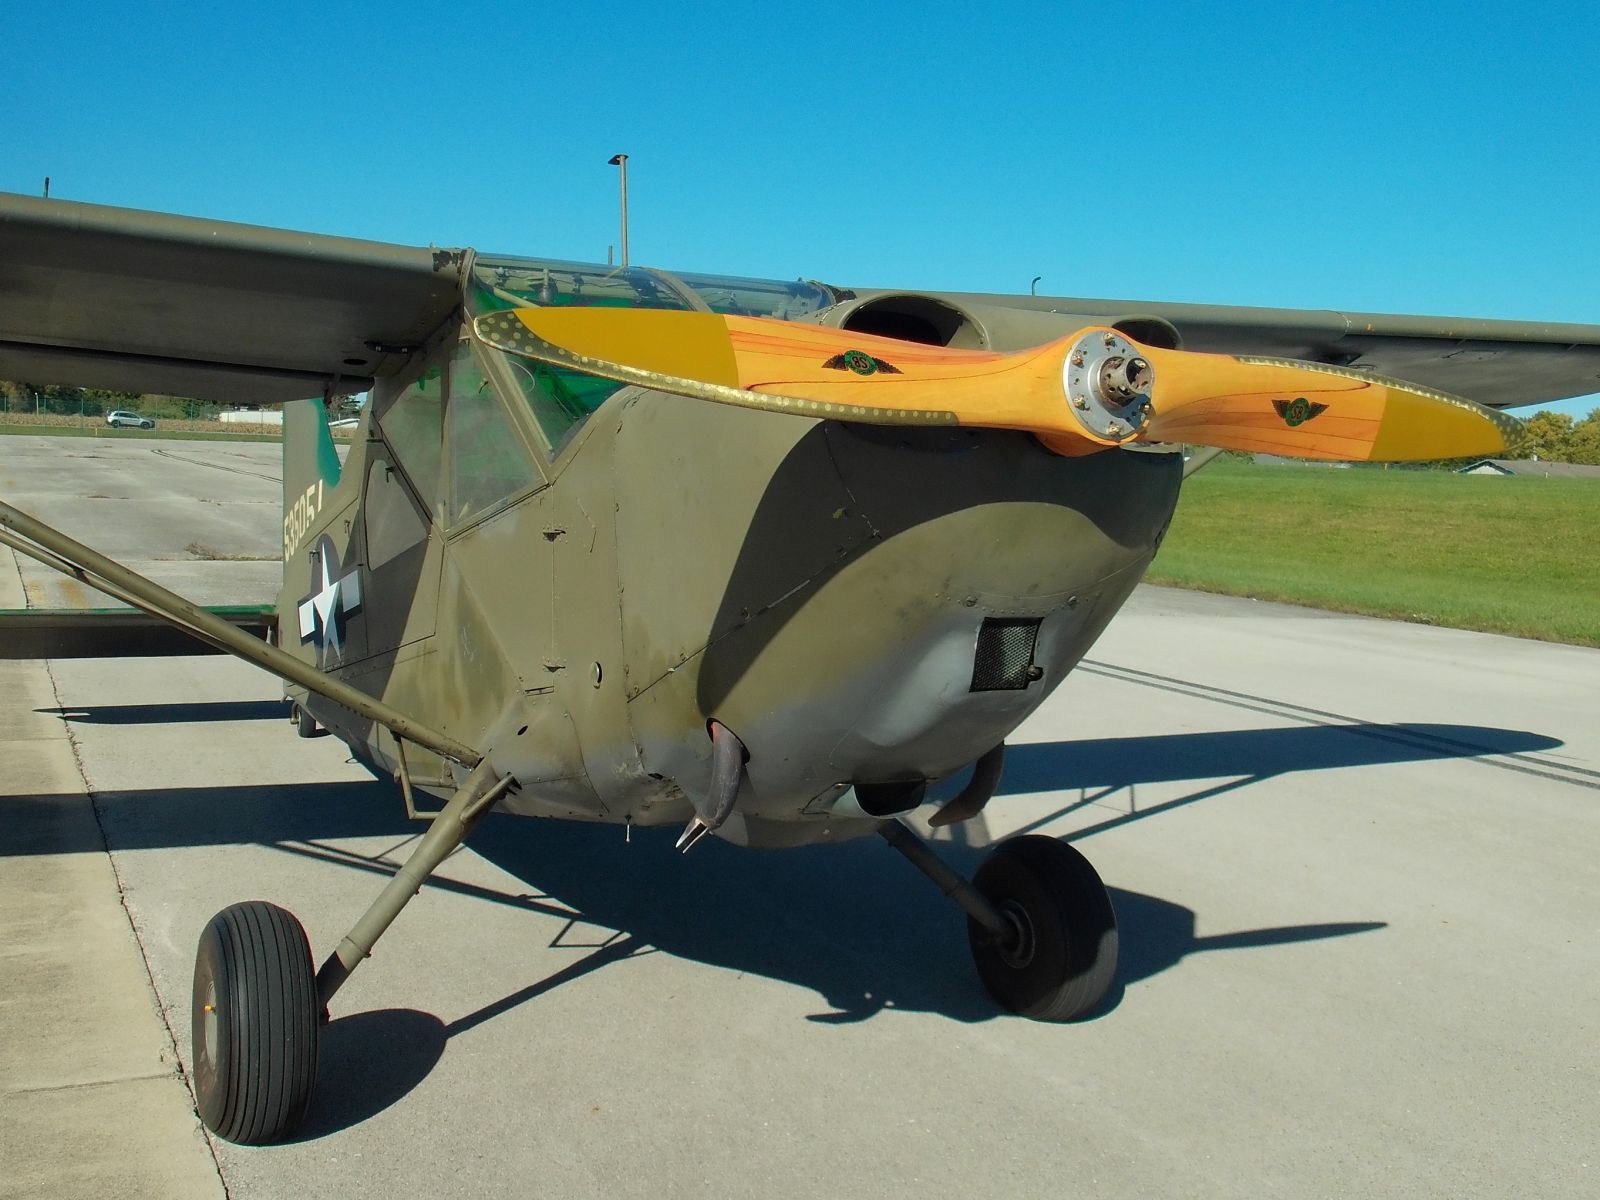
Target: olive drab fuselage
(821, 589)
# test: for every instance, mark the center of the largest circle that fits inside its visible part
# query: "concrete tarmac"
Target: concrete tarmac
(1354, 862)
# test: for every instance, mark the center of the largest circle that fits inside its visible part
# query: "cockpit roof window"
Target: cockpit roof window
(561, 400)
(758, 297)
(501, 283)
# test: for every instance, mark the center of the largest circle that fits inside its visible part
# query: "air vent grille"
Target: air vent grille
(1004, 658)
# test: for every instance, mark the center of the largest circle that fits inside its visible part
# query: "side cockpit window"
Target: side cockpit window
(488, 462)
(413, 426)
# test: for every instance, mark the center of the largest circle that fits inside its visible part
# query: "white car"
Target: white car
(131, 420)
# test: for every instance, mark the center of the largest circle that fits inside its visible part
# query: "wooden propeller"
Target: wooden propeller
(1084, 393)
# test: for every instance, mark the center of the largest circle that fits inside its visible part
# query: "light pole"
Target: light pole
(620, 161)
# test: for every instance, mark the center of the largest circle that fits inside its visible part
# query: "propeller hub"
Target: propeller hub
(1108, 382)
(1124, 380)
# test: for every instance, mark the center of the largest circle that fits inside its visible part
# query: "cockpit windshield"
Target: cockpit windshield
(562, 400)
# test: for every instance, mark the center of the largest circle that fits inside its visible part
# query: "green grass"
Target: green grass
(1505, 555)
(101, 430)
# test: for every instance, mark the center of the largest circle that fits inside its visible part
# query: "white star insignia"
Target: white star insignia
(322, 613)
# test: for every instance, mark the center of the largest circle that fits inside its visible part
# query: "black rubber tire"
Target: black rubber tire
(255, 1023)
(1066, 958)
(304, 723)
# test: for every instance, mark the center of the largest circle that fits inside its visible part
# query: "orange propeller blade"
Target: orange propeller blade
(783, 366)
(1087, 392)
(1306, 410)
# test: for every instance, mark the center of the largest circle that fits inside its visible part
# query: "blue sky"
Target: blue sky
(1430, 159)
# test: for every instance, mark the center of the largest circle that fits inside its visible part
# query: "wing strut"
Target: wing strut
(72, 558)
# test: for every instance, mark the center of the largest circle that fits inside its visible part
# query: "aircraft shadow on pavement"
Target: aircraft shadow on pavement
(172, 714)
(853, 923)
(367, 1062)
(1174, 757)
(1102, 767)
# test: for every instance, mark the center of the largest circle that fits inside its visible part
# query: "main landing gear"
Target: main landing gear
(1043, 935)
(1040, 924)
(259, 1005)
(304, 723)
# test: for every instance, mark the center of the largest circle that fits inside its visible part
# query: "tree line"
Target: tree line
(1559, 437)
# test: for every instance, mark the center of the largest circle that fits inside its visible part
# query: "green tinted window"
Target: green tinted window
(559, 400)
(487, 458)
(413, 426)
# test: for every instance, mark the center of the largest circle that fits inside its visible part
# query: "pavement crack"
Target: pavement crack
(87, 1083)
(230, 469)
(133, 926)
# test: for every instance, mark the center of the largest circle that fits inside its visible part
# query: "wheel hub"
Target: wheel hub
(208, 1028)
(1016, 949)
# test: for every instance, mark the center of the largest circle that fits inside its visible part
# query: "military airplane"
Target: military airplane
(758, 559)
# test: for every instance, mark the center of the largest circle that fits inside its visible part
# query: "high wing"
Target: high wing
(147, 302)
(117, 298)
(1497, 363)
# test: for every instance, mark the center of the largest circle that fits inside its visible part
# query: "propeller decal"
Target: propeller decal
(1298, 411)
(861, 363)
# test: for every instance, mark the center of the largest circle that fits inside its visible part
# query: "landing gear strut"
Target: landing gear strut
(258, 1004)
(1040, 924)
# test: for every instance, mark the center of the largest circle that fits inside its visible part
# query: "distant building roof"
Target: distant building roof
(1530, 466)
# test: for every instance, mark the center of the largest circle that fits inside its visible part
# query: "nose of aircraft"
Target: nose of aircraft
(993, 566)
(898, 601)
